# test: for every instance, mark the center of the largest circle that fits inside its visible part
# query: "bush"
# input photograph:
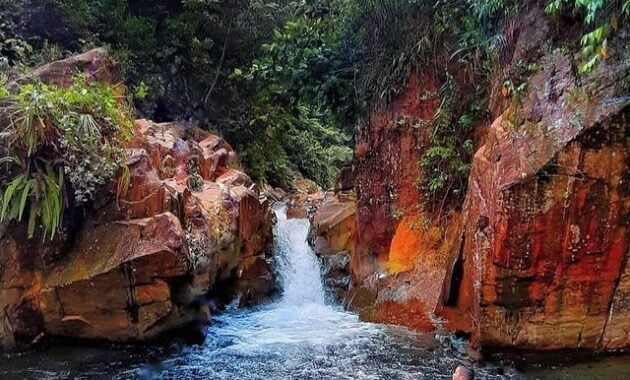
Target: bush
(604, 15)
(302, 72)
(61, 147)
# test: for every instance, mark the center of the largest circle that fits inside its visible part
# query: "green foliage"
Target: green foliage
(4, 92)
(391, 40)
(182, 51)
(446, 162)
(285, 81)
(195, 181)
(41, 185)
(13, 49)
(61, 146)
(387, 40)
(294, 104)
(483, 9)
(602, 15)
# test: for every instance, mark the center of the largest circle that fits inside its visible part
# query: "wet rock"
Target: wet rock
(537, 257)
(256, 282)
(333, 224)
(332, 238)
(359, 298)
(114, 284)
(544, 236)
(146, 263)
(274, 194)
(336, 272)
(386, 174)
(302, 205)
(400, 256)
(345, 181)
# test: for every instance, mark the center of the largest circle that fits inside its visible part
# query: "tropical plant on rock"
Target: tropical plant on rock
(61, 146)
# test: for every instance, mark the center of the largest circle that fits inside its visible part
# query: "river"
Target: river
(302, 335)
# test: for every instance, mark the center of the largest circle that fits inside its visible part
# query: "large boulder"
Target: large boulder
(332, 238)
(95, 65)
(118, 281)
(545, 237)
(334, 223)
(185, 226)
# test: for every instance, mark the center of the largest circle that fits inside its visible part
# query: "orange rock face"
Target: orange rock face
(386, 173)
(332, 238)
(545, 241)
(395, 262)
(538, 255)
(189, 227)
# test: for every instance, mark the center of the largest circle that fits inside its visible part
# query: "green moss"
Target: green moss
(195, 181)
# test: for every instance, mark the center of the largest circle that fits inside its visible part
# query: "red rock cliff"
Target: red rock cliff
(538, 255)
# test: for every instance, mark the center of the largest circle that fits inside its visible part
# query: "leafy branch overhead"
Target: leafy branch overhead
(605, 16)
(286, 82)
(294, 103)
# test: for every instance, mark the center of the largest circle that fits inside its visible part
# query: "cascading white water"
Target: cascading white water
(301, 336)
(297, 266)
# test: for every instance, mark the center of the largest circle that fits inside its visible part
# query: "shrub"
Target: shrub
(604, 16)
(61, 147)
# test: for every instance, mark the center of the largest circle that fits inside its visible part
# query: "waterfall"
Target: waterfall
(298, 267)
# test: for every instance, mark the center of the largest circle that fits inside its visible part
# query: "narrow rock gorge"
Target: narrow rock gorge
(322, 189)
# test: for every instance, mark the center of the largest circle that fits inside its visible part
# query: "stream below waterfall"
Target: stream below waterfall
(300, 336)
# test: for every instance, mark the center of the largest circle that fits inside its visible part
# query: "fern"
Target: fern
(39, 187)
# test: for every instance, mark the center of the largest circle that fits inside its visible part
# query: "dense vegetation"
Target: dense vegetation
(284, 81)
(60, 147)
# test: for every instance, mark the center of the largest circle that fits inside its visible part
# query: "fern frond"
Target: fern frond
(9, 192)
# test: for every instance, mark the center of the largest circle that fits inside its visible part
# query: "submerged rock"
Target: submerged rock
(462, 373)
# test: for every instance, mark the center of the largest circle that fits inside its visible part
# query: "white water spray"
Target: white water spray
(298, 268)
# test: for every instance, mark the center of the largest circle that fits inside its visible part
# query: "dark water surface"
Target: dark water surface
(310, 342)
